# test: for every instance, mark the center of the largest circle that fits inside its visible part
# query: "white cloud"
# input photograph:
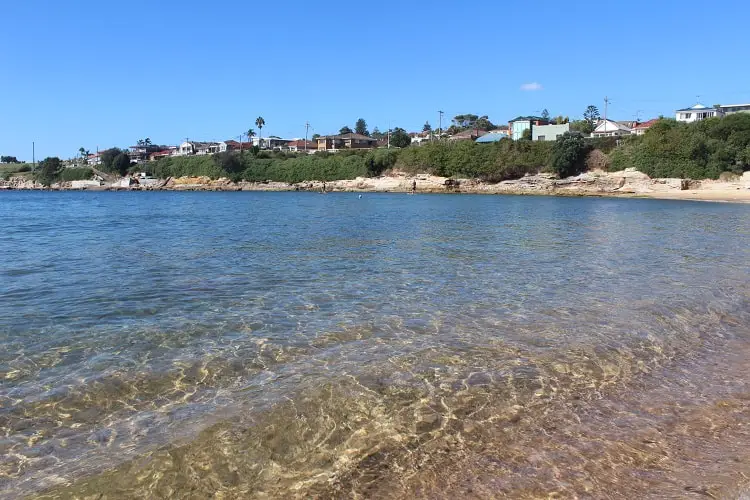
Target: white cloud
(530, 87)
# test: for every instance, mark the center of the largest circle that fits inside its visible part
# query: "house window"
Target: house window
(688, 115)
(541, 138)
(557, 136)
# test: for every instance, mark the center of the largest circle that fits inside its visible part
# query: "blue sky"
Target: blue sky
(101, 74)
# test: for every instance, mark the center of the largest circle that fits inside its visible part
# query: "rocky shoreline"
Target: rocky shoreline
(627, 183)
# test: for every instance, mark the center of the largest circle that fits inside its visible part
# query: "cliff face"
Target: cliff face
(627, 183)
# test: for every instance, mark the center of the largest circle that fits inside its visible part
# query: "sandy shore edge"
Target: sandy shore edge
(625, 184)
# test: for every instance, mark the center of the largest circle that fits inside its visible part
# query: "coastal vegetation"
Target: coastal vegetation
(706, 149)
(669, 149)
(700, 150)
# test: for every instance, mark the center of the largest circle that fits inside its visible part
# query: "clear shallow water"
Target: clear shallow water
(180, 344)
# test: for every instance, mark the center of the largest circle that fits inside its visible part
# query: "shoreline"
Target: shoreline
(625, 184)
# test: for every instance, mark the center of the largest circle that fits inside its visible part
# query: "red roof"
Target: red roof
(647, 124)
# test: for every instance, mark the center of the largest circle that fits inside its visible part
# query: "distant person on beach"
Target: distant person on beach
(414, 186)
(323, 189)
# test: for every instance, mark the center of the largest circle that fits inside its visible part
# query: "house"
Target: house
(159, 154)
(549, 132)
(420, 137)
(346, 141)
(518, 125)
(610, 128)
(188, 148)
(640, 128)
(94, 159)
(270, 142)
(230, 145)
(302, 145)
(730, 109)
(471, 134)
(696, 113)
(206, 148)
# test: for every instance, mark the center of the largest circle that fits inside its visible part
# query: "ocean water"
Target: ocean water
(281, 345)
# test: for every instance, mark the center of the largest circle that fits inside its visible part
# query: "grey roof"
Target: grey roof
(492, 138)
(696, 107)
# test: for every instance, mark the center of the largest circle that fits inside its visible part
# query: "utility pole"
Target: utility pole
(33, 156)
(606, 103)
(307, 128)
(440, 124)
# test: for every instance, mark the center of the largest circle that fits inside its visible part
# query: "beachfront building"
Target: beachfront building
(640, 128)
(346, 141)
(696, 113)
(270, 142)
(300, 145)
(94, 159)
(610, 128)
(230, 145)
(549, 132)
(518, 125)
(189, 148)
(730, 109)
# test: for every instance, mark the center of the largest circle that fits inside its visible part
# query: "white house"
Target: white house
(184, 149)
(730, 109)
(610, 128)
(549, 132)
(197, 148)
(696, 113)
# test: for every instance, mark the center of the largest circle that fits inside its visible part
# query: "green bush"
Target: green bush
(700, 150)
(493, 162)
(75, 174)
(569, 154)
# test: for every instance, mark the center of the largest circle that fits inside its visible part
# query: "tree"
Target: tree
(361, 127)
(560, 120)
(147, 142)
(8, 159)
(427, 127)
(345, 130)
(582, 126)
(260, 123)
(483, 123)
(568, 155)
(121, 163)
(377, 134)
(250, 134)
(229, 162)
(465, 121)
(591, 114)
(545, 114)
(108, 157)
(400, 138)
(315, 137)
(526, 135)
(49, 169)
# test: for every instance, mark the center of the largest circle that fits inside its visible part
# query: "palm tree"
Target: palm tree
(147, 142)
(260, 122)
(82, 152)
(250, 134)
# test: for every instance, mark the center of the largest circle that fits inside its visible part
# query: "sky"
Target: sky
(98, 74)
